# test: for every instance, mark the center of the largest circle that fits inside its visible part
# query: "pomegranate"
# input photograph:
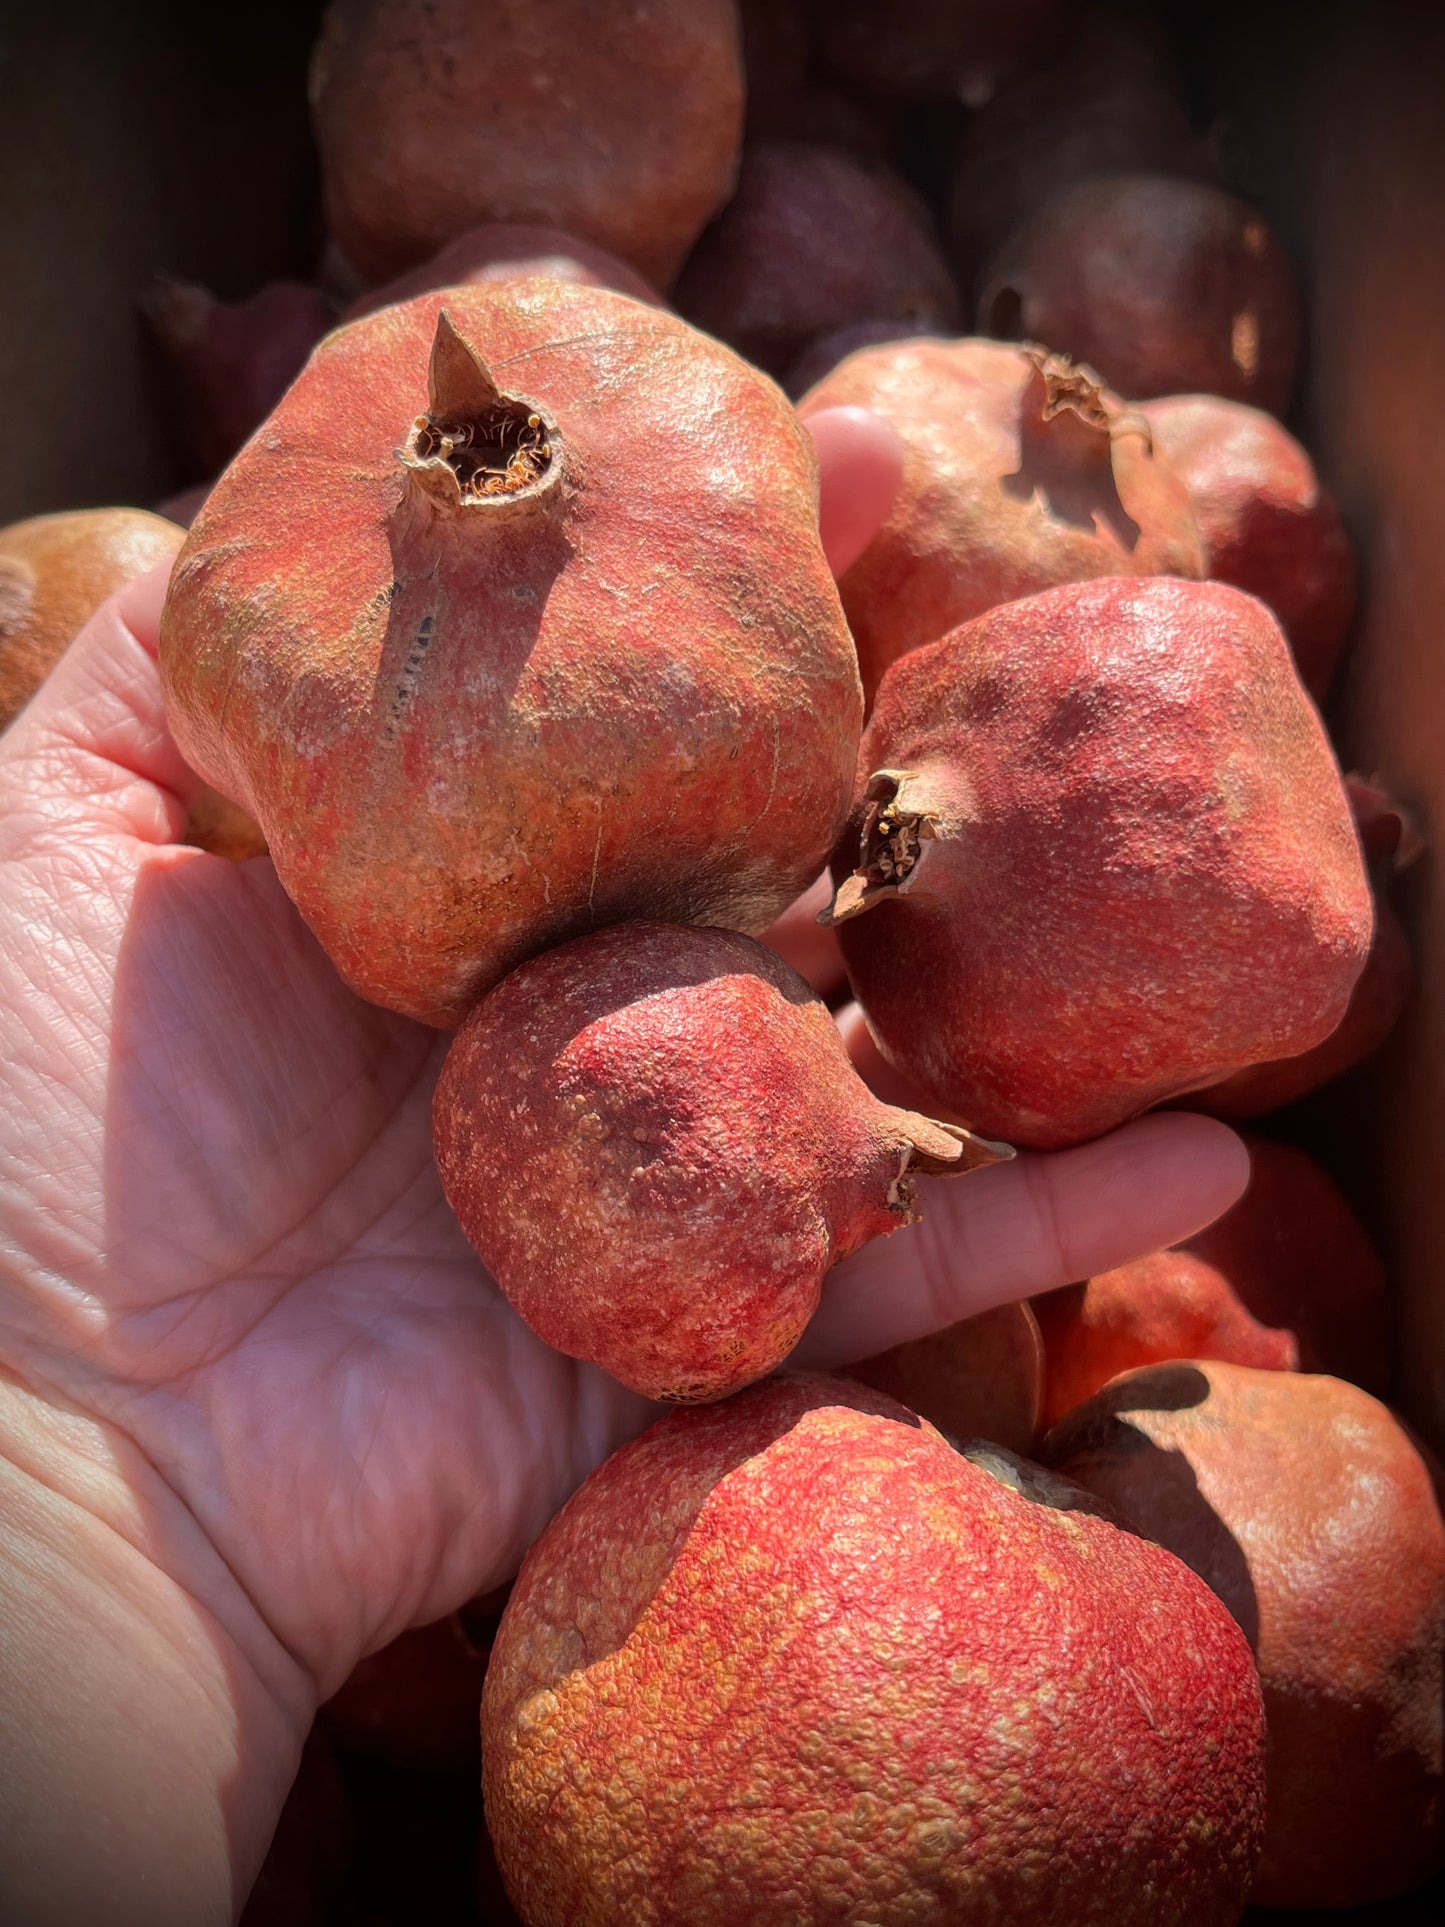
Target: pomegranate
(792, 1658)
(492, 669)
(1164, 285)
(1316, 1518)
(813, 239)
(1286, 1280)
(935, 49)
(503, 251)
(1020, 472)
(655, 1140)
(809, 946)
(233, 361)
(980, 1378)
(823, 354)
(1100, 855)
(618, 125)
(1270, 526)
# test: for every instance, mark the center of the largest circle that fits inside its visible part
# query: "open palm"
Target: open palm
(221, 1230)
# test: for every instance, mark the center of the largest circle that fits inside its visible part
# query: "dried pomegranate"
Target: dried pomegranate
(492, 668)
(1316, 1518)
(1019, 472)
(1101, 855)
(617, 124)
(1270, 526)
(234, 360)
(1164, 285)
(812, 240)
(935, 49)
(792, 1658)
(655, 1140)
(1287, 1280)
(504, 251)
(981, 1378)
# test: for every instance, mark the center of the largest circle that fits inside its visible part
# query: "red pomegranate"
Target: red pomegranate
(1100, 855)
(492, 668)
(935, 49)
(981, 1378)
(655, 1140)
(1020, 472)
(1315, 1516)
(792, 1658)
(504, 251)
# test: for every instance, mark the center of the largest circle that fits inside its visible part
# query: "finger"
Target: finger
(802, 941)
(91, 749)
(1017, 1229)
(860, 465)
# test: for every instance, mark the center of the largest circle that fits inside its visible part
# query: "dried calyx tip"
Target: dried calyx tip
(892, 843)
(1075, 386)
(474, 444)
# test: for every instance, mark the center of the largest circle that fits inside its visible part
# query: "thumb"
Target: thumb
(91, 750)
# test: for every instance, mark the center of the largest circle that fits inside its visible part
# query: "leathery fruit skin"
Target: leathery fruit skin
(1100, 855)
(1315, 1516)
(656, 1143)
(514, 667)
(793, 1661)
(1020, 471)
(982, 1377)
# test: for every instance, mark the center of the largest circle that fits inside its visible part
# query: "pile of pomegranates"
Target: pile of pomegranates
(505, 633)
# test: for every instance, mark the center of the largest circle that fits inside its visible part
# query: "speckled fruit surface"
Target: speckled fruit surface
(1100, 855)
(495, 662)
(792, 1659)
(1316, 1518)
(655, 1140)
(1019, 472)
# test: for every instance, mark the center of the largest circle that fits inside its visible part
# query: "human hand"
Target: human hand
(227, 1258)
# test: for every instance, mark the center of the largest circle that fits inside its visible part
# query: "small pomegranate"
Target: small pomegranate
(504, 251)
(823, 354)
(1270, 526)
(1379, 997)
(492, 669)
(935, 49)
(1019, 472)
(981, 1378)
(233, 361)
(655, 1140)
(1316, 1518)
(792, 1658)
(620, 125)
(1100, 855)
(1286, 1281)
(813, 239)
(1165, 286)
(808, 945)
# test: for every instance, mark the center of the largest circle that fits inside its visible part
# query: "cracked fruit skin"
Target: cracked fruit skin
(793, 1661)
(1106, 858)
(480, 710)
(655, 1140)
(1315, 1516)
(1019, 472)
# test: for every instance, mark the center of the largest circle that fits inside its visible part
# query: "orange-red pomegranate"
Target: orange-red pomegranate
(655, 1140)
(1315, 1516)
(814, 239)
(1270, 526)
(506, 251)
(794, 1659)
(619, 124)
(1019, 472)
(982, 1378)
(1287, 1280)
(1100, 855)
(1165, 286)
(496, 661)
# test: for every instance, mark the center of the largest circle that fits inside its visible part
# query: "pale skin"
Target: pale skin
(260, 1407)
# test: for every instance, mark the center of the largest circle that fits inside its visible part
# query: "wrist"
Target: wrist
(150, 1723)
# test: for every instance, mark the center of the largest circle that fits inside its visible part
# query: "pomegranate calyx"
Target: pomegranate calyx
(936, 1149)
(894, 835)
(475, 444)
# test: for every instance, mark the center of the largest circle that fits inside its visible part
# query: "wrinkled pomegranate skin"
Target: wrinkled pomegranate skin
(1270, 526)
(506, 251)
(1145, 874)
(620, 125)
(813, 240)
(655, 1140)
(469, 739)
(787, 1659)
(1316, 1518)
(994, 505)
(1165, 286)
(982, 1377)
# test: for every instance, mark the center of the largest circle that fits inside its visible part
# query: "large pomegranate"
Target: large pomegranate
(494, 665)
